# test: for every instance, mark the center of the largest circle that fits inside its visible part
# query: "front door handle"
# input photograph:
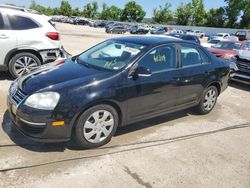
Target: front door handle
(175, 79)
(4, 36)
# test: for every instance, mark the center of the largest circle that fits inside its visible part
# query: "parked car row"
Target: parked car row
(238, 54)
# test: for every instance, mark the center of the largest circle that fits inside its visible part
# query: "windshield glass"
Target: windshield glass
(228, 45)
(213, 41)
(110, 55)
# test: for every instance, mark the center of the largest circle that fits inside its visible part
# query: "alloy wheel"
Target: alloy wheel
(24, 65)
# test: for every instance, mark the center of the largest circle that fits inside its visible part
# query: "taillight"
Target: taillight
(60, 62)
(53, 35)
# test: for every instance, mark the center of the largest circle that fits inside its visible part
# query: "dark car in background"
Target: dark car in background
(192, 38)
(115, 83)
(80, 21)
(138, 30)
(117, 29)
(158, 31)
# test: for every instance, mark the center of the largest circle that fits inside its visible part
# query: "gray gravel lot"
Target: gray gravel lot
(176, 150)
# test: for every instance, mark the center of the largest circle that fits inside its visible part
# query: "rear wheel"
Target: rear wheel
(96, 126)
(23, 63)
(208, 101)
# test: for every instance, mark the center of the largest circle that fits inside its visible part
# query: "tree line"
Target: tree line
(235, 14)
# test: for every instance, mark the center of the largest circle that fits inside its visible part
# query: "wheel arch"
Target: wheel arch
(217, 85)
(15, 51)
(101, 102)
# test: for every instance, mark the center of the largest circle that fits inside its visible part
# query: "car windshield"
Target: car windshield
(213, 41)
(110, 55)
(228, 46)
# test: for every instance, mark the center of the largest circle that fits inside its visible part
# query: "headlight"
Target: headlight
(13, 88)
(43, 101)
(228, 56)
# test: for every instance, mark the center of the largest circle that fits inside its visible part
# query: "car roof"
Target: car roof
(148, 40)
(18, 9)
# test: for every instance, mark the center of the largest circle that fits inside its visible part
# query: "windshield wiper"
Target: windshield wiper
(82, 62)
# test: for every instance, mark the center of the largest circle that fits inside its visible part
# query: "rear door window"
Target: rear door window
(190, 56)
(1, 22)
(21, 23)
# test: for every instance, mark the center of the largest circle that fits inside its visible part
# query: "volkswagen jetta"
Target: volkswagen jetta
(117, 82)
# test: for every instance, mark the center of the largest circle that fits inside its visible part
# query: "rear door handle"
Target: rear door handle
(206, 73)
(4, 36)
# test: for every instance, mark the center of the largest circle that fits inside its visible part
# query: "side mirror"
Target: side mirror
(141, 72)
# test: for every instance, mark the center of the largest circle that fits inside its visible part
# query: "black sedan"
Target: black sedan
(139, 30)
(192, 38)
(115, 83)
(117, 30)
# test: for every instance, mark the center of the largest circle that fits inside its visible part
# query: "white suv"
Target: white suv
(27, 40)
(197, 33)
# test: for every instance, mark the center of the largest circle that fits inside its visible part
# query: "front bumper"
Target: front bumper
(37, 125)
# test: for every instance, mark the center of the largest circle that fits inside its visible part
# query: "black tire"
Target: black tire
(13, 60)
(201, 109)
(79, 129)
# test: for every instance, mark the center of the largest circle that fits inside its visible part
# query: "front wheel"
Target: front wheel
(208, 100)
(96, 126)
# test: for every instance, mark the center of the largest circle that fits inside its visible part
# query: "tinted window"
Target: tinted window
(1, 22)
(190, 56)
(190, 38)
(160, 59)
(204, 58)
(21, 23)
(213, 41)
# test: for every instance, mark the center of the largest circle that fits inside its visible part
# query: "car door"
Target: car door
(195, 70)
(154, 94)
(8, 39)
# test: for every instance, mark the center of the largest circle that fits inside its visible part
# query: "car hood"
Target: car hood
(69, 72)
(221, 51)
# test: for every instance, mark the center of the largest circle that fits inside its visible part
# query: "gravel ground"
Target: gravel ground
(176, 150)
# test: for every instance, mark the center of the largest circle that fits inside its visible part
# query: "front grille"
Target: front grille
(18, 97)
(243, 66)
